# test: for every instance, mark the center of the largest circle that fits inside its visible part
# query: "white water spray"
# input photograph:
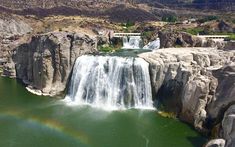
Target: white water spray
(132, 42)
(111, 82)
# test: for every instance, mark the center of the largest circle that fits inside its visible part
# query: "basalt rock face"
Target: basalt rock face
(46, 61)
(182, 39)
(228, 126)
(183, 81)
(225, 92)
(13, 27)
(173, 39)
(11, 31)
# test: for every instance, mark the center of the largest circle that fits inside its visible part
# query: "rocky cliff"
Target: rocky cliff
(197, 84)
(45, 62)
(11, 30)
(182, 39)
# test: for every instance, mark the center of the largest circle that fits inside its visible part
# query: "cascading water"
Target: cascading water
(153, 45)
(134, 42)
(110, 82)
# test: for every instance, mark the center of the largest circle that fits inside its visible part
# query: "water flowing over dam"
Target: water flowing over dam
(132, 42)
(110, 82)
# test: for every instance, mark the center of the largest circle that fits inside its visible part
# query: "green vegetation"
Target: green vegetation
(205, 31)
(178, 46)
(167, 114)
(105, 48)
(208, 18)
(148, 34)
(232, 37)
(169, 18)
(195, 31)
(128, 26)
(233, 21)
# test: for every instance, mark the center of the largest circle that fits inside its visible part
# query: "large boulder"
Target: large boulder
(183, 80)
(45, 63)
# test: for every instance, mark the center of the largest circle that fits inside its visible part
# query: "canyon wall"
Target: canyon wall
(46, 61)
(170, 39)
(197, 84)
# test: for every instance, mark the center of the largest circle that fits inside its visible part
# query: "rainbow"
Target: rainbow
(79, 137)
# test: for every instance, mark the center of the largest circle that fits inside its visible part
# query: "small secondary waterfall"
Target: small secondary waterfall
(132, 42)
(153, 45)
(110, 82)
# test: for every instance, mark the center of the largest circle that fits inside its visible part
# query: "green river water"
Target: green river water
(27, 120)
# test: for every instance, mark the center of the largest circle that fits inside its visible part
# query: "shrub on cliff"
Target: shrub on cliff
(169, 18)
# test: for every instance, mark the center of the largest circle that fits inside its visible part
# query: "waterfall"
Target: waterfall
(110, 82)
(132, 42)
(153, 45)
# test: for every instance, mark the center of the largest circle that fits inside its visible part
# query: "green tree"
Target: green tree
(169, 18)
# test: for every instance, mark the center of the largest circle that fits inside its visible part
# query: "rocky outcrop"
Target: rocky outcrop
(225, 91)
(230, 45)
(13, 27)
(12, 30)
(45, 63)
(182, 39)
(225, 27)
(183, 80)
(174, 39)
(228, 126)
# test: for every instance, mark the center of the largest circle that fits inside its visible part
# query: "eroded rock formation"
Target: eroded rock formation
(173, 39)
(46, 61)
(195, 83)
(182, 39)
(228, 126)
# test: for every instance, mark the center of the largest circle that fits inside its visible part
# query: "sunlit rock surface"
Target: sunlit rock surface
(46, 61)
(183, 81)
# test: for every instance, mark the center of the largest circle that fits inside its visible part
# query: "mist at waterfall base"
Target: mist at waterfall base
(136, 42)
(110, 82)
(27, 120)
